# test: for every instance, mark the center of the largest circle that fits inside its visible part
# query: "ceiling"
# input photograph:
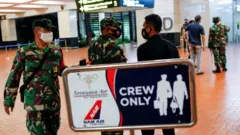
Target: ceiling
(21, 6)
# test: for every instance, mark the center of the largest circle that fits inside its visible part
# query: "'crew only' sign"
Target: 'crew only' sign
(130, 97)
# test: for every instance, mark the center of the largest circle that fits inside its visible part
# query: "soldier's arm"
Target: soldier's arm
(62, 63)
(226, 28)
(210, 39)
(117, 55)
(12, 84)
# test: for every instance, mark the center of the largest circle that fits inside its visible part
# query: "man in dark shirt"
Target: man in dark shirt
(154, 49)
(195, 34)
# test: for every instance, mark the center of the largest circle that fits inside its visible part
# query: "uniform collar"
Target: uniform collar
(33, 45)
(106, 37)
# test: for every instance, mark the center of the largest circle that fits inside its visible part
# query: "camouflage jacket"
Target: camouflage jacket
(218, 35)
(42, 93)
(105, 51)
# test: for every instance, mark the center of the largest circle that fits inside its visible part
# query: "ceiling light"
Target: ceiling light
(31, 6)
(49, 2)
(224, 2)
(5, 5)
(10, 10)
(14, 1)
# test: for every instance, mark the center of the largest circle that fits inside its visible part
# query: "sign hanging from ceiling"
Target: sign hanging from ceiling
(89, 5)
(138, 3)
(94, 5)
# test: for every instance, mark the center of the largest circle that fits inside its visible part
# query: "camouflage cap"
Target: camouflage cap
(44, 23)
(110, 22)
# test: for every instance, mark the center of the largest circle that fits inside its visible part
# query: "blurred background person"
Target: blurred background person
(183, 33)
(196, 40)
(217, 44)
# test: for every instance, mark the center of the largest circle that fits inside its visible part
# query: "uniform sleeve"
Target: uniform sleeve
(62, 63)
(116, 55)
(12, 84)
(90, 52)
(92, 55)
(210, 39)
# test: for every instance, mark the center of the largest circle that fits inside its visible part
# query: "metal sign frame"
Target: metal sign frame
(169, 62)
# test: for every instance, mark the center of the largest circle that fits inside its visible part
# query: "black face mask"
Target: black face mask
(145, 35)
(117, 33)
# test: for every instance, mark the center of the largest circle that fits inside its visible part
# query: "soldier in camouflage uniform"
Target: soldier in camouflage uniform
(217, 44)
(105, 51)
(41, 97)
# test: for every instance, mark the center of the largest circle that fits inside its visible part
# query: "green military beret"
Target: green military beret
(110, 22)
(44, 23)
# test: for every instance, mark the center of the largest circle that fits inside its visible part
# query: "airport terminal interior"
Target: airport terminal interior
(77, 26)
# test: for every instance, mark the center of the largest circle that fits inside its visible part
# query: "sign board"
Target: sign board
(137, 3)
(148, 95)
(95, 5)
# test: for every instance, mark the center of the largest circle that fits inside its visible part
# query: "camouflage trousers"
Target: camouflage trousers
(43, 122)
(219, 53)
(112, 133)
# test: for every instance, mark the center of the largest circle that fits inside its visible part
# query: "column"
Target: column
(169, 11)
(223, 9)
(8, 30)
(101, 16)
(140, 18)
(68, 29)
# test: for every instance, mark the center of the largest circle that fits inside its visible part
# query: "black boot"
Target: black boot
(218, 70)
(224, 67)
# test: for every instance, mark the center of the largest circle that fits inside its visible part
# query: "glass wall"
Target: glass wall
(236, 21)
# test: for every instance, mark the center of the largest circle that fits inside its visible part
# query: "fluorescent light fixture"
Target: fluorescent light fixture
(5, 5)
(224, 2)
(10, 10)
(30, 6)
(14, 1)
(45, 2)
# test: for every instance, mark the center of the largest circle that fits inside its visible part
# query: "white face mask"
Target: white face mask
(47, 37)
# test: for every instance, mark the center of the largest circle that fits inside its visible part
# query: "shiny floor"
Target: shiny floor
(218, 96)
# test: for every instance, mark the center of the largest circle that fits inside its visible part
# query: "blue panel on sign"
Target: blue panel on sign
(137, 3)
(154, 95)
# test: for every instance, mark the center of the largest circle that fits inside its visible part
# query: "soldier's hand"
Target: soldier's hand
(8, 109)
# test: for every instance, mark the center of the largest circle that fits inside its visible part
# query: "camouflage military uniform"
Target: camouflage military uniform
(105, 51)
(41, 97)
(217, 43)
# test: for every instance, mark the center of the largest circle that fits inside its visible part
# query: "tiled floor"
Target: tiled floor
(218, 97)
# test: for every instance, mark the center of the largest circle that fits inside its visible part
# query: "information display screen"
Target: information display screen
(138, 3)
(94, 5)
(90, 5)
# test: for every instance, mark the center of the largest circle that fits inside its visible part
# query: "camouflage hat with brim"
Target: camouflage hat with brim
(44, 23)
(110, 21)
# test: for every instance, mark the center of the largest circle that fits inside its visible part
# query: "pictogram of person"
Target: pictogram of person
(179, 91)
(164, 91)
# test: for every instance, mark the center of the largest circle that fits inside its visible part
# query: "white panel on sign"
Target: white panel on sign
(90, 99)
